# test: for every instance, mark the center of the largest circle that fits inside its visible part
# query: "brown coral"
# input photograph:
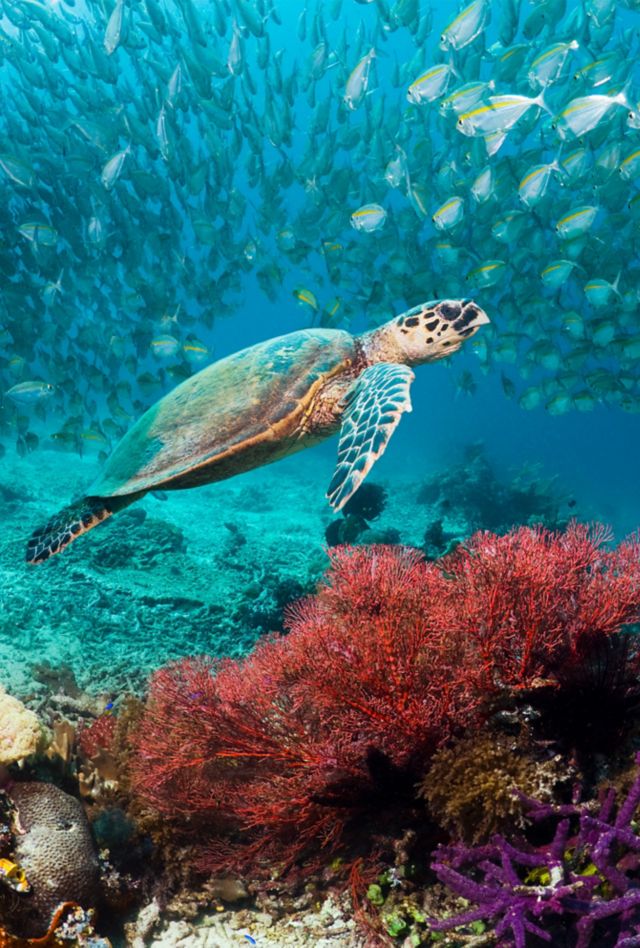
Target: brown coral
(470, 786)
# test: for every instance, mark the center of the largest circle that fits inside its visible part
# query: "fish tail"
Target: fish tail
(71, 522)
(542, 102)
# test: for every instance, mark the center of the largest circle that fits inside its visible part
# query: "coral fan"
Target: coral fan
(543, 614)
(534, 603)
(327, 724)
(335, 722)
(98, 735)
(583, 882)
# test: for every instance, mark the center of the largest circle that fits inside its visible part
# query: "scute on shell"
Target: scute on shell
(258, 394)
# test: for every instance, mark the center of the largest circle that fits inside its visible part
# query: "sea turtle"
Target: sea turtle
(265, 402)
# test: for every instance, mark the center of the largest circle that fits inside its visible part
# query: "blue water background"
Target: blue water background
(595, 456)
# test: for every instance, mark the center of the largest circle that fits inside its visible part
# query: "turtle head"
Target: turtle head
(430, 331)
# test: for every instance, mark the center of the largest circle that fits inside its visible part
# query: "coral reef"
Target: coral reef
(438, 541)
(90, 759)
(469, 786)
(367, 504)
(115, 624)
(327, 923)
(265, 599)
(21, 733)
(402, 706)
(120, 546)
(97, 765)
(71, 926)
(298, 751)
(276, 758)
(471, 491)
(540, 616)
(580, 887)
(53, 845)
(98, 735)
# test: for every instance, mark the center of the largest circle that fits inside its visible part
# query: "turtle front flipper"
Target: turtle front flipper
(71, 521)
(372, 409)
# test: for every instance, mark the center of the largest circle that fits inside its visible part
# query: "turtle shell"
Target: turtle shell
(236, 414)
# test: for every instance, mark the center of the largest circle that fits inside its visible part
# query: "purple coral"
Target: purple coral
(587, 876)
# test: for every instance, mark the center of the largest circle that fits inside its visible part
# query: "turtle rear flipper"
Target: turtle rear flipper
(372, 409)
(70, 522)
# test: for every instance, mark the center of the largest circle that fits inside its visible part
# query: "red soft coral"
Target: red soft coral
(315, 728)
(97, 736)
(535, 604)
(327, 729)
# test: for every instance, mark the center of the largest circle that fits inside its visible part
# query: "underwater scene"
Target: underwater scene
(319, 460)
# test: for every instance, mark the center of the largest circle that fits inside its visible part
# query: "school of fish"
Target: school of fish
(159, 157)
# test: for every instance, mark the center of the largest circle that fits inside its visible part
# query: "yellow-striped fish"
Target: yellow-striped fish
(577, 222)
(466, 26)
(547, 67)
(195, 351)
(431, 84)
(165, 346)
(358, 82)
(499, 114)
(630, 166)
(557, 273)
(487, 274)
(306, 297)
(585, 113)
(533, 186)
(449, 214)
(368, 218)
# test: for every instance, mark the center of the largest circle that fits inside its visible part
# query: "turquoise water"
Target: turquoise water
(197, 177)
(178, 182)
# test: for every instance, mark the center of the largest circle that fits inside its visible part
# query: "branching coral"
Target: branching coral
(278, 757)
(534, 603)
(581, 887)
(98, 735)
(543, 615)
(313, 730)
